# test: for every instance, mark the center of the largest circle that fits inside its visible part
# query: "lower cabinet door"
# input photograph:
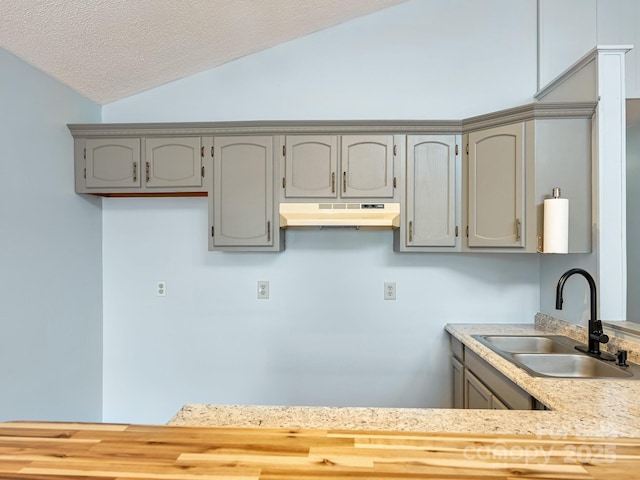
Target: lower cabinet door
(497, 404)
(458, 383)
(476, 394)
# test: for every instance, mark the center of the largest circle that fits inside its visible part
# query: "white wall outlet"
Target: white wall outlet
(389, 290)
(263, 290)
(161, 288)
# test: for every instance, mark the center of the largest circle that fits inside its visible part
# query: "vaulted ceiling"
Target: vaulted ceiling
(110, 49)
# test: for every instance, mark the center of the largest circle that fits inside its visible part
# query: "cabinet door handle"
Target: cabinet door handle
(333, 182)
(410, 231)
(268, 230)
(344, 182)
(518, 229)
(147, 169)
(135, 171)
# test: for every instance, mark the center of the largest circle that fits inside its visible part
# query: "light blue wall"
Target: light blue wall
(326, 336)
(425, 59)
(50, 254)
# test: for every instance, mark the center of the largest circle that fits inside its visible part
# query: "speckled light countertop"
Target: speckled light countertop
(579, 408)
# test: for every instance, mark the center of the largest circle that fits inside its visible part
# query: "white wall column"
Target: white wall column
(610, 172)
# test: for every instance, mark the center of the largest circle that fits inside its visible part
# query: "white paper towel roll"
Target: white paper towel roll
(556, 225)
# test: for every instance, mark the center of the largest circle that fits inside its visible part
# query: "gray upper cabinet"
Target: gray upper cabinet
(311, 164)
(174, 162)
(496, 188)
(431, 193)
(111, 163)
(139, 165)
(358, 167)
(487, 196)
(511, 169)
(242, 215)
(367, 166)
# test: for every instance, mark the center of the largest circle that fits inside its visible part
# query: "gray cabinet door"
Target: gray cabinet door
(173, 162)
(476, 394)
(367, 166)
(243, 191)
(112, 163)
(496, 175)
(458, 383)
(431, 191)
(311, 164)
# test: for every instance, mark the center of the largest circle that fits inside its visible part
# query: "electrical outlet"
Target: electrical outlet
(389, 290)
(263, 290)
(161, 288)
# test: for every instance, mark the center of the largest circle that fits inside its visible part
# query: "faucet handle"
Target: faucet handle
(621, 358)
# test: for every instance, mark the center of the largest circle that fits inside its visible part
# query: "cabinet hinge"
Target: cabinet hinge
(85, 173)
(284, 150)
(467, 230)
(395, 150)
(211, 152)
(284, 182)
(467, 149)
(456, 230)
(212, 231)
(202, 171)
(456, 149)
(202, 152)
(395, 182)
(84, 154)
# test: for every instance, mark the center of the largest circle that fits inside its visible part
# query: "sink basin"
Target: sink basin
(554, 356)
(569, 366)
(528, 344)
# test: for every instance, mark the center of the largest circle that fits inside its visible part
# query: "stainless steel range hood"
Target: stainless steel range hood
(359, 215)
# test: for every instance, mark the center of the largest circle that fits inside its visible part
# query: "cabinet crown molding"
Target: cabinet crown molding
(341, 127)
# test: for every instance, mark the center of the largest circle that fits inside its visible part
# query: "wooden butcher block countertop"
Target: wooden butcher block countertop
(85, 451)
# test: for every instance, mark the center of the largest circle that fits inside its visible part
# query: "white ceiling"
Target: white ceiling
(110, 49)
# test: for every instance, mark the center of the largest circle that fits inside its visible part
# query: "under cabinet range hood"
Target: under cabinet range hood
(356, 215)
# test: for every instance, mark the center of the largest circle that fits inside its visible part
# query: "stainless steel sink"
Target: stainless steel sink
(554, 356)
(570, 366)
(529, 344)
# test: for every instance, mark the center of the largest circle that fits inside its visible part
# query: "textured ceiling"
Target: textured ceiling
(110, 49)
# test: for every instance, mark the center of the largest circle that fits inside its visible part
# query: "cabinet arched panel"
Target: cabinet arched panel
(496, 187)
(173, 162)
(113, 162)
(431, 191)
(310, 166)
(243, 189)
(367, 166)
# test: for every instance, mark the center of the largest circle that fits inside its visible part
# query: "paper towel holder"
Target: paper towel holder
(555, 237)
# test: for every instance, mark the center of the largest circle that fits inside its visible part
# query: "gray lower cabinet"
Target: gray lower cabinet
(478, 385)
(339, 167)
(431, 207)
(111, 166)
(477, 395)
(458, 383)
(242, 208)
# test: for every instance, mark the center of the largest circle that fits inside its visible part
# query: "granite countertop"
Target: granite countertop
(588, 408)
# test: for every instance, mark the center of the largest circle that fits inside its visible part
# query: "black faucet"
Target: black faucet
(596, 336)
